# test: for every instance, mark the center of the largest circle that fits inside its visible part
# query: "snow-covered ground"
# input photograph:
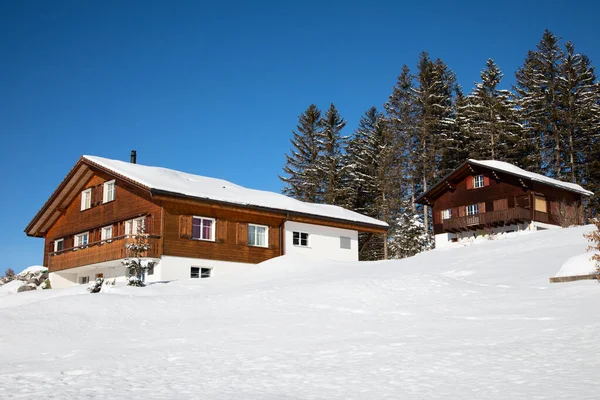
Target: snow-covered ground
(474, 322)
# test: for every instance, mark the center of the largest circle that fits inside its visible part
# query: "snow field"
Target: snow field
(476, 322)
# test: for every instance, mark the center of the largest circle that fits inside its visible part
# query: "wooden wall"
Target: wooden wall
(507, 187)
(231, 233)
(130, 202)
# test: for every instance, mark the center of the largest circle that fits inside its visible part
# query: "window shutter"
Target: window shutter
(273, 237)
(221, 233)
(242, 233)
(481, 207)
(462, 211)
(437, 217)
(185, 226)
(470, 181)
(486, 181)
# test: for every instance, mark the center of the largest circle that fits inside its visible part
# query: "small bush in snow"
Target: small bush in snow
(96, 286)
(136, 265)
(594, 237)
(47, 284)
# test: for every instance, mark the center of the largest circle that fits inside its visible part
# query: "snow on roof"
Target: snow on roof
(221, 190)
(514, 170)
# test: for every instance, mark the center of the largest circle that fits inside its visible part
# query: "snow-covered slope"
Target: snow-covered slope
(477, 322)
(203, 187)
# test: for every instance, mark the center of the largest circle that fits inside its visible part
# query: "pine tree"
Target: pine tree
(330, 165)
(303, 181)
(539, 100)
(579, 112)
(492, 117)
(408, 236)
(374, 179)
(135, 264)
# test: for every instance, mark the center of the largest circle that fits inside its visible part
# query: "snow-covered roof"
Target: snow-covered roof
(202, 187)
(514, 170)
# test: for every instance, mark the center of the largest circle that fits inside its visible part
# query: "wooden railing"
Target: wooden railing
(487, 219)
(97, 252)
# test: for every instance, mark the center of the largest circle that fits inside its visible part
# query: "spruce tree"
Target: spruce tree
(330, 166)
(302, 180)
(491, 116)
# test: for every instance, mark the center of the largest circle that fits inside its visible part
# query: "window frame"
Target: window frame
(86, 199)
(105, 191)
(212, 230)
(266, 235)
(103, 236)
(131, 225)
(447, 214)
(56, 242)
(87, 280)
(480, 179)
(475, 210)
(299, 244)
(87, 241)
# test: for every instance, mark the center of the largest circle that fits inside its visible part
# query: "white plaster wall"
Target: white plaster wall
(443, 240)
(323, 242)
(61, 280)
(178, 268)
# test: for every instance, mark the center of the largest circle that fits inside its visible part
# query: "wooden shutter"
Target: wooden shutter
(437, 217)
(273, 237)
(540, 204)
(554, 207)
(185, 226)
(470, 181)
(242, 233)
(481, 207)
(221, 233)
(462, 211)
(486, 181)
(501, 204)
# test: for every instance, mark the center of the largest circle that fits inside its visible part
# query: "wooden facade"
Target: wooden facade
(166, 217)
(504, 199)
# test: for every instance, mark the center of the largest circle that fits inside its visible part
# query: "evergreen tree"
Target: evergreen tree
(491, 116)
(374, 178)
(303, 181)
(539, 100)
(408, 236)
(330, 165)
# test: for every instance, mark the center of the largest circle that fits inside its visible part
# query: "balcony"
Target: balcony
(487, 220)
(98, 252)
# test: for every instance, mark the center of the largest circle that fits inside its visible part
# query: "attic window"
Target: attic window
(109, 191)
(478, 181)
(86, 199)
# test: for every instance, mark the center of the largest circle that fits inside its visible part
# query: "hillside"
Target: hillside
(477, 322)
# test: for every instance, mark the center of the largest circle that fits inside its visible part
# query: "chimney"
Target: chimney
(133, 159)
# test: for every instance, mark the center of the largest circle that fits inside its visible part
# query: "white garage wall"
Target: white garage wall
(323, 242)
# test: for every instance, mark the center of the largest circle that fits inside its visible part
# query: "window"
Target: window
(200, 272)
(345, 242)
(86, 199)
(473, 209)
(300, 239)
(106, 233)
(109, 191)
(478, 181)
(82, 239)
(59, 244)
(203, 228)
(134, 225)
(447, 214)
(258, 235)
(150, 269)
(84, 279)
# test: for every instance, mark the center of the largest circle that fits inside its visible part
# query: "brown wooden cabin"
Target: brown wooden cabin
(481, 197)
(95, 211)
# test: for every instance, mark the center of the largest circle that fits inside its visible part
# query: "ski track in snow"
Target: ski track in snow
(477, 322)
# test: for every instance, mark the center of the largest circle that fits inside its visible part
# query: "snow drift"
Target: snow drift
(474, 322)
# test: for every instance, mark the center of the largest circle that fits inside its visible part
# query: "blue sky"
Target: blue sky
(215, 88)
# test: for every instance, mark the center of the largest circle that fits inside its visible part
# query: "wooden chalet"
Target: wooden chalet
(194, 223)
(482, 197)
